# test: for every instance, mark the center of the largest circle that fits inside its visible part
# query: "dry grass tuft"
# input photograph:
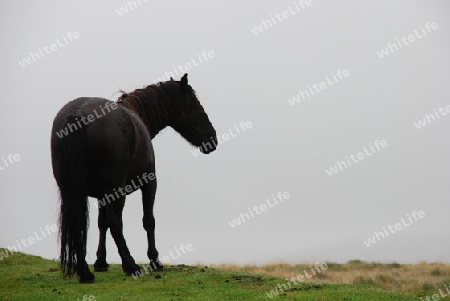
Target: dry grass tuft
(421, 278)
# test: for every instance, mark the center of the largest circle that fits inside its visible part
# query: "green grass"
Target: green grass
(26, 277)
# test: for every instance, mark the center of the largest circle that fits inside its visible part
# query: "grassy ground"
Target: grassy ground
(421, 279)
(25, 277)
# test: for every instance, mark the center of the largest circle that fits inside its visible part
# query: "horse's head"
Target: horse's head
(190, 119)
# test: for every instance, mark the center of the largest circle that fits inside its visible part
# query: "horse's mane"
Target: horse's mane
(158, 103)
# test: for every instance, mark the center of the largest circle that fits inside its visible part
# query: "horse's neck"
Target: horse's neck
(153, 124)
(153, 133)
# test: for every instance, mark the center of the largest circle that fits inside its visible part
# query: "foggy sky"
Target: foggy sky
(250, 79)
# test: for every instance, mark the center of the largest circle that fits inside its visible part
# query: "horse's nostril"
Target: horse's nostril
(206, 148)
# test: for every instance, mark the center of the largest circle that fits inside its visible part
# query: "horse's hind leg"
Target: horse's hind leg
(83, 269)
(85, 275)
(148, 199)
(114, 221)
(100, 264)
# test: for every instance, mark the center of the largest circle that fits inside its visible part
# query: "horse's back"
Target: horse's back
(99, 120)
(113, 137)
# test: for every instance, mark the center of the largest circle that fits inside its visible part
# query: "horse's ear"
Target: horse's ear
(171, 79)
(184, 81)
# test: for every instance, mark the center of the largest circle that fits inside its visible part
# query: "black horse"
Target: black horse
(103, 149)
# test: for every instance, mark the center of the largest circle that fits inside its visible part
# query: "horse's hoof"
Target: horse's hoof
(156, 266)
(101, 266)
(132, 270)
(88, 278)
(100, 269)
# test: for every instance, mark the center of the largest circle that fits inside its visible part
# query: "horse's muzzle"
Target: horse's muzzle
(208, 147)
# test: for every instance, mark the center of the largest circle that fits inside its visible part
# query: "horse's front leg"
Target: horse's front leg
(148, 200)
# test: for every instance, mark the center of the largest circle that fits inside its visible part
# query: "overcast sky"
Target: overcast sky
(263, 53)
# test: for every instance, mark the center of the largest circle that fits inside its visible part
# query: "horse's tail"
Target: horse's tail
(70, 158)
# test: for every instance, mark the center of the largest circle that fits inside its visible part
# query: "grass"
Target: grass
(421, 279)
(26, 277)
